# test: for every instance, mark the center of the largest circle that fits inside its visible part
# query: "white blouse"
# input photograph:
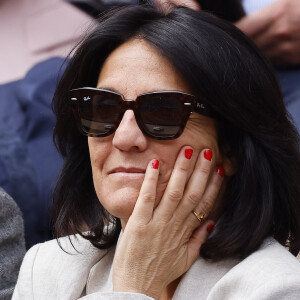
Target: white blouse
(48, 272)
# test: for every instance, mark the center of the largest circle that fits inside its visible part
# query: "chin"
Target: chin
(119, 203)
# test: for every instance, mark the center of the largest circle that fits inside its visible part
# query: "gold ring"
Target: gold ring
(199, 216)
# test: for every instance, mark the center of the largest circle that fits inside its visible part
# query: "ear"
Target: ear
(229, 166)
(228, 159)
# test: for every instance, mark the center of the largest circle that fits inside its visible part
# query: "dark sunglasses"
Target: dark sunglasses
(160, 115)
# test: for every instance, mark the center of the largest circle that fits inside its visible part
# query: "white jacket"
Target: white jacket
(48, 272)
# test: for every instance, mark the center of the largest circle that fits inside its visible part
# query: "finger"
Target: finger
(271, 44)
(187, 3)
(256, 23)
(276, 51)
(197, 239)
(265, 39)
(272, 37)
(196, 185)
(175, 188)
(209, 197)
(143, 209)
(284, 53)
(168, 4)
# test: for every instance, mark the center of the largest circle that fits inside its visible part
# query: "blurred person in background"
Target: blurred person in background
(274, 26)
(12, 244)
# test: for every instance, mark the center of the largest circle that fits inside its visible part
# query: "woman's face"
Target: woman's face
(119, 161)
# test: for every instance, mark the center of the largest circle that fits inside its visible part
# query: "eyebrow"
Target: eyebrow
(108, 88)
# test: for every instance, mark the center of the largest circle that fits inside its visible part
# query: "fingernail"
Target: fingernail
(188, 153)
(208, 154)
(155, 164)
(220, 171)
(210, 227)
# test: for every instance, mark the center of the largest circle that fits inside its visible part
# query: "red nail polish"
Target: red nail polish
(220, 171)
(208, 154)
(155, 164)
(188, 153)
(210, 227)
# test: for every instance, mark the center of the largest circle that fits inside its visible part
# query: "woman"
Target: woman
(183, 127)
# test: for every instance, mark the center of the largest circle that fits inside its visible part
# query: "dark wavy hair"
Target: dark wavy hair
(224, 67)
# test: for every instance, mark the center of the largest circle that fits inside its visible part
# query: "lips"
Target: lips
(130, 170)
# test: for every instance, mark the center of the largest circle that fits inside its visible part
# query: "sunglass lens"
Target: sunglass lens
(98, 114)
(161, 115)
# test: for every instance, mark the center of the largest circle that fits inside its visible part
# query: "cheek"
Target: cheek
(99, 152)
(169, 156)
(117, 195)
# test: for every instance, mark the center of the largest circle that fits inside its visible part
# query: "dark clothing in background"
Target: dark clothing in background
(29, 162)
(12, 244)
(289, 81)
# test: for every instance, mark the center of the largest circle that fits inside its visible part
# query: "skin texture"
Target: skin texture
(155, 205)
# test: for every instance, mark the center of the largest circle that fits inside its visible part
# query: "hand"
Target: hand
(160, 244)
(276, 31)
(193, 4)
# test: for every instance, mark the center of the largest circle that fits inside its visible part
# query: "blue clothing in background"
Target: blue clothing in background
(289, 79)
(29, 162)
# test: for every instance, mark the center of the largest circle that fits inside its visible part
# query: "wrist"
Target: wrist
(129, 288)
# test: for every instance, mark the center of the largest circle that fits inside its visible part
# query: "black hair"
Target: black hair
(224, 67)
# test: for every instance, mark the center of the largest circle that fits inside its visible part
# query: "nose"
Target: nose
(128, 136)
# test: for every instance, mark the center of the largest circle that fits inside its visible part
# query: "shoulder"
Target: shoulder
(272, 259)
(66, 246)
(11, 229)
(64, 264)
(12, 243)
(59, 254)
(269, 273)
(8, 205)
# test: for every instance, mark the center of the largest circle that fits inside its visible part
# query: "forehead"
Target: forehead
(136, 67)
